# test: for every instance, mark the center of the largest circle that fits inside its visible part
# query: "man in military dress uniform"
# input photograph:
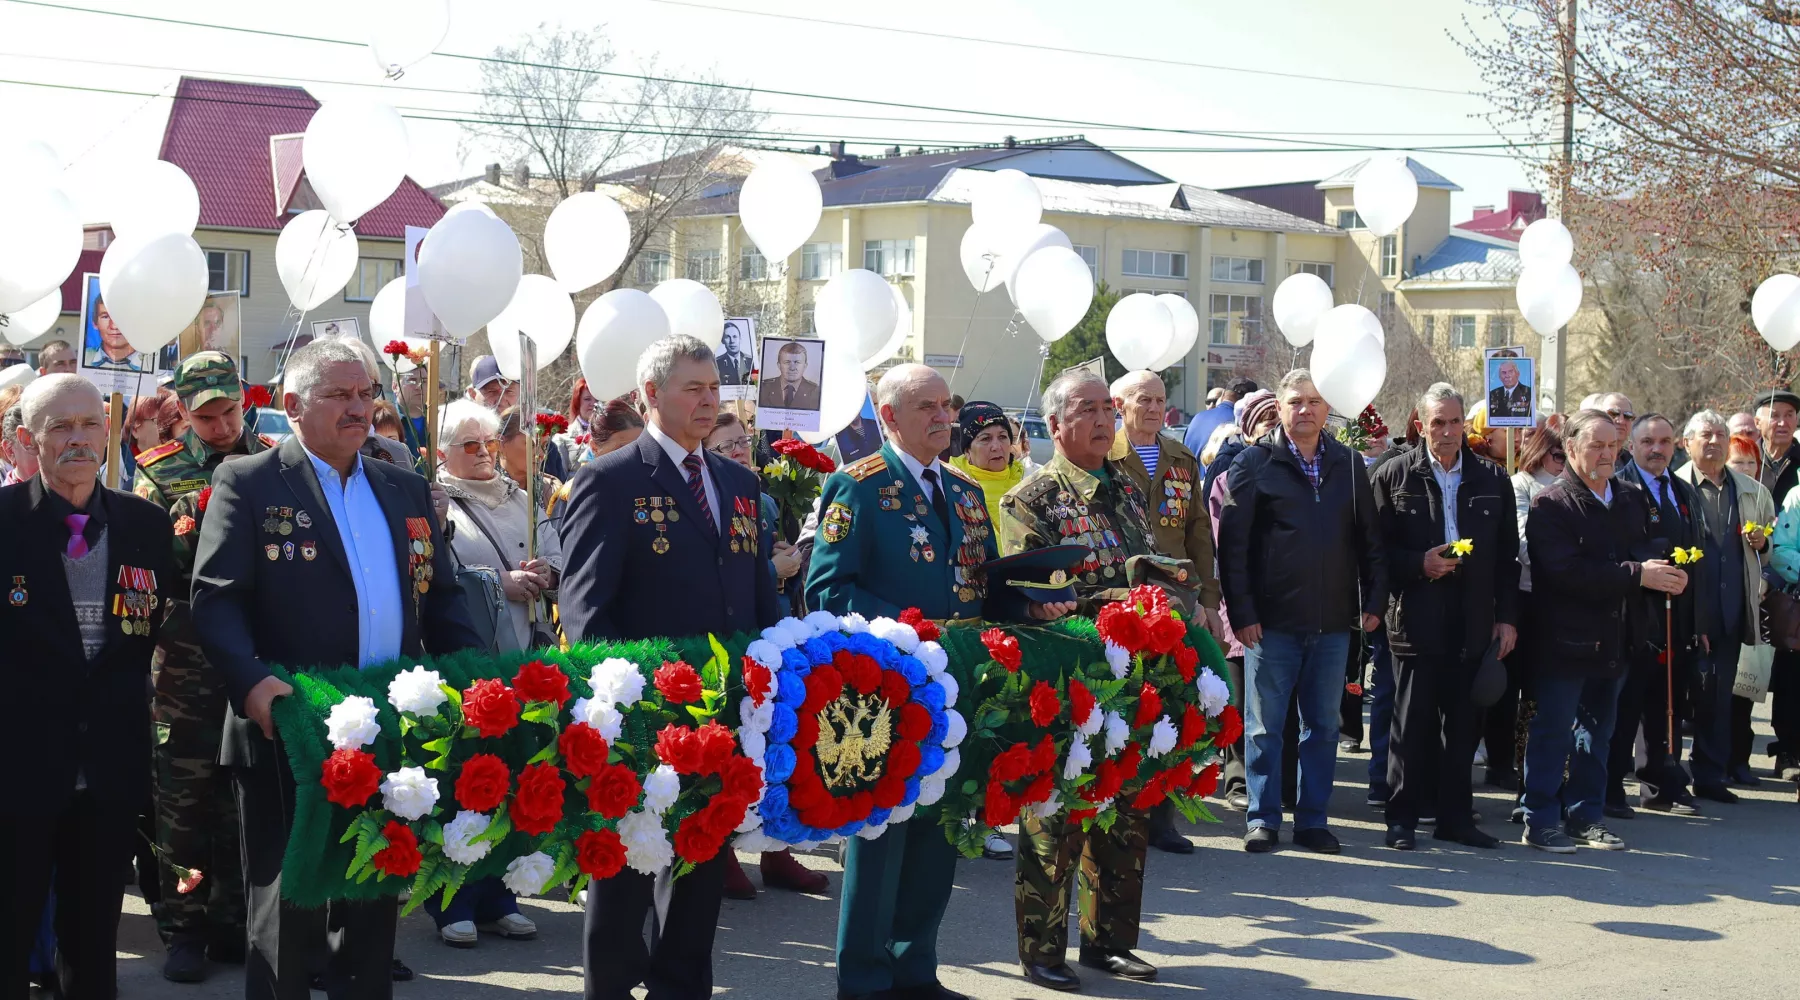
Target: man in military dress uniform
(1081, 497)
(196, 819)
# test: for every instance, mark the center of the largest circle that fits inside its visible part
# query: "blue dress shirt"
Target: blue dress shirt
(369, 549)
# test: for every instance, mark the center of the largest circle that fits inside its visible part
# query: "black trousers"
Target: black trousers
(1499, 726)
(1432, 741)
(678, 965)
(1645, 699)
(1784, 704)
(80, 851)
(351, 942)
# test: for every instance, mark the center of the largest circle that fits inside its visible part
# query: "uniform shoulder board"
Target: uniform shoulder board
(863, 468)
(268, 442)
(1035, 487)
(160, 452)
(967, 479)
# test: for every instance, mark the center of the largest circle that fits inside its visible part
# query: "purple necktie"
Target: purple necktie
(77, 543)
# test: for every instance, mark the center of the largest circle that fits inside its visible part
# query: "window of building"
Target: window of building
(807, 325)
(1153, 291)
(752, 265)
(372, 274)
(1348, 219)
(1390, 256)
(888, 258)
(1091, 257)
(1500, 331)
(1428, 332)
(1247, 269)
(703, 265)
(1462, 331)
(1154, 264)
(653, 266)
(1234, 319)
(228, 271)
(821, 260)
(1324, 272)
(1386, 310)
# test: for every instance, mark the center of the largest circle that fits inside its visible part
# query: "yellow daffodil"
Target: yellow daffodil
(1461, 547)
(1751, 528)
(1684, 557)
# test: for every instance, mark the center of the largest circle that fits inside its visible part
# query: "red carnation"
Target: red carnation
(1205, 783)
(1038, 791)
(721, 817)
(1130, 759)
(491, 707)
(1151, 598)
(1121, 626)
(862, 674)
(915, 722)
(804, 455)
(889, 792)
(1231, 727)
(583, 749)
(599, 853)
(1164, 632)
(1193, 727)
(1043, 756)
(806, 735)
(539, 681)
(205, 498)
(678, 682)
(257, 396)
(397, 348)
(999, 807)
(1081, 703)
(614, 791)
(742, 779)
(350, 777)
(756, 682)
(1149, 706)
(677, 747)
(1003, 648)
(1044, 704)
(823, 686)
(401, 855)
(1150, 796)
(538, 804)
(483, 783)
(1187, 660)
(694, 843)
(716, 745)
(1077, 815)
(1012, 764)
(927, 629)
(904, 759)
(894, 688)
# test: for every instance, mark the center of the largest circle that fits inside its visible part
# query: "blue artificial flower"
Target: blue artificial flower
(930, 759)
(783, 724)
(940, 728)
(774, 802)
(833, 641)
(864, 644)
(931, 696)
(817, 650)
(878, 817)
(794, 661)
(778, 762)
(792, 692)
(912, 790)
(914, 671)
(849, 829)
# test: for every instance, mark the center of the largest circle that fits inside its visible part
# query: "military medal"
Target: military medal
(17, 595)
(287, 548)
(308, 551)
(273, 551)
(660, 544)
(640, 515)
(418, 531)
(270, 523)
(303, 519)
(287, 525)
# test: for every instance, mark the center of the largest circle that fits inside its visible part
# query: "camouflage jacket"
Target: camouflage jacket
(179, 470)
(1063, 504)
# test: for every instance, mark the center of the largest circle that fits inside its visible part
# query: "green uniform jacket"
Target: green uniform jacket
(1063, 504)
(1181, 524)
(881, 550)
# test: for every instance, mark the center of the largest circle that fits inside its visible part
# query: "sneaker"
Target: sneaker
(1676, 804)
(1548, 838)
(1596, 836)
(516, 926)
(997, 848)
(460, 934)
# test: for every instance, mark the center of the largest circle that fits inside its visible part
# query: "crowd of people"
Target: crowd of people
(1562, 602)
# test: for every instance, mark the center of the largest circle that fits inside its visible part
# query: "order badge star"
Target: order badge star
(919, 535)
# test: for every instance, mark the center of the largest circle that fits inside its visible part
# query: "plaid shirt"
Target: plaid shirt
(1311, 468)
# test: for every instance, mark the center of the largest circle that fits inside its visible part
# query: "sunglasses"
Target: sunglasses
(1617, 414)
(1560, 456)
(491, 446)
(727, 447)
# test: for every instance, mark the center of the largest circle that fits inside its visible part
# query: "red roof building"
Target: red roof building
(1522, 209)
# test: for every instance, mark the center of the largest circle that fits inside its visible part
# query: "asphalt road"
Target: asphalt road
(1698, 905)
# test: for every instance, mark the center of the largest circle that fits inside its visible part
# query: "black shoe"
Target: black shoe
(1239, 801)
(402, 974)
(1787, 768)
(1744, 777)
(1677, 803)
(186, 962)
(227, 950)
(1618, 810)
(1168, 840)
(1506, 781)
(1715, 793)
(1401, 839)
(1053, 977)
(933, 991)
(1318, 840)
(1378, 797)
(316, 982)
(1468, 836)
(1120, 963)
(1518, 814)
(1351, 746)
(1261, 839)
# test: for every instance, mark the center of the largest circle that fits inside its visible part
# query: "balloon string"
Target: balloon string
(1043, 356)
(985, 278)
(1012, 330)
(287, 349)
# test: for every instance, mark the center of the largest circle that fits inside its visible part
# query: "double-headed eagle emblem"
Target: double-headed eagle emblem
(855, 732)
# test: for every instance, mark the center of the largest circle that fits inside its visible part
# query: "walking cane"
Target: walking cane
(1669, 664)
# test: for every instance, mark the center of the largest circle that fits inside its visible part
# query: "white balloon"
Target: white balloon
(842, 389)
(1029, 241)
(153, 288)
(315, 257)
(1139, 330)
(617, 328)
(1775, 309)
(983, 258)
(1008, 201)
(469, 268)
(40, 241)
(1054, 289)
(1385, 194)
(1187, 329)
(586, 240)
(1546, 242)
(403, 32)
(542, 311)
(34, 320)
(470, 206)
(1354, 382)
(355, 155)
(155, 197)
(1301, 300)
(903, 325)
(28, 164)
(1549, 297)
(1338, 331)
(693, 310)
(855, 314)
(387, 322)
(780, 204)
(20, 375)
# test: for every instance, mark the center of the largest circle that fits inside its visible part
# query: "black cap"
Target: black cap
(1769, 397)
(977, 416)
(1041, 576)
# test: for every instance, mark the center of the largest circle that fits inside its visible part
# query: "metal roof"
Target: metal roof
(1427, 177)
(1467, 259)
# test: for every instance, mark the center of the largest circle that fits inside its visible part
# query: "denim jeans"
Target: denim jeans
(1381, 708)
(1574, 723)
(1284, 664)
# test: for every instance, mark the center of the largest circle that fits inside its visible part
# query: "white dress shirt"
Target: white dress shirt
(918, 471)
(677, 455)
(1449, 483)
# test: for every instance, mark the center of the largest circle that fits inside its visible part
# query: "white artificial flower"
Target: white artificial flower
(1162, 737)
(616, 682)
(778, 637)
(661, 787)
(951, 688)
(1215, 694)
(900, 814)
(1117, 733)
(757, 842)
(930, 791)
(901, 635)
(604, 718)
(854, 623)
(871, 832)
(352, 723)
(824, 621)
(752, 820)
(756, 718)
(764, 652)
(1119, 658)
(647, 847)
(956, 728)
(460, 831)
(1080, 758)
(755, 744)
(796, 629)
(418, 691)
(1049, 807)
(805, 845)
(932, 657)
(529, 875)
(952, 761)
(1095, 720)
(408, 793)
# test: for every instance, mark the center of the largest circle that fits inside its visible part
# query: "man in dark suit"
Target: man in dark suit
(86, 574)
(661, 538)
(790, 389)
(1511, 398)
(311, 556)
(735, 363)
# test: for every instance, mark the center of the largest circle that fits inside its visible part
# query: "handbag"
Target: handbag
(484, 598)
(541, 635)
(1784, 619)
(1755, 664)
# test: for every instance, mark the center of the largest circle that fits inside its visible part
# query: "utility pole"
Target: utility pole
(1555, 350)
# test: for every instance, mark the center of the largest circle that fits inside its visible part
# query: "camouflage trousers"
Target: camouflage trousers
(196, 816)
(1111, 891)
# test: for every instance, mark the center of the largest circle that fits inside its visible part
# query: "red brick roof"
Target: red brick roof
(89, 263)
(219, 133)
(1522, 209)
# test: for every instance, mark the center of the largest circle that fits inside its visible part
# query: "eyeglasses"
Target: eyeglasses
(729, 446)
(1560, 456)
(1618, 414)
(491, 446)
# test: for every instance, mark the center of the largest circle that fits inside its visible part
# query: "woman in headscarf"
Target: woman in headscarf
(986, 436)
